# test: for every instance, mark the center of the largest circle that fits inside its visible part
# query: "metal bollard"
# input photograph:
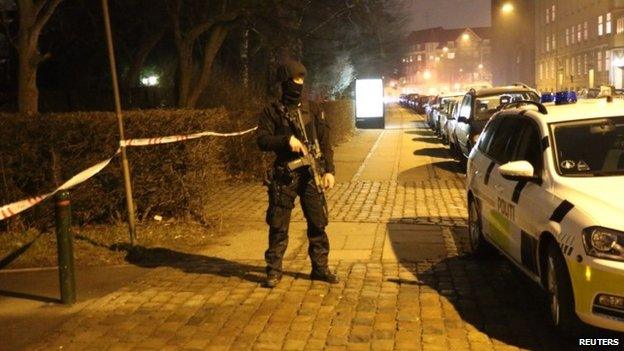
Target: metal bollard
(65, 246)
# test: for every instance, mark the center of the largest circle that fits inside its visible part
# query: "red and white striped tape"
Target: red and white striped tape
(14, 208)
(177, 138)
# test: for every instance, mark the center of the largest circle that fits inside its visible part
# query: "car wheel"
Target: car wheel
(477, 246)
(560, 295)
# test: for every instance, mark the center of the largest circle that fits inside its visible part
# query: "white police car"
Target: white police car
(546, 188)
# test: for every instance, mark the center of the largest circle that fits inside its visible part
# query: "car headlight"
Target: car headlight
(604, 243)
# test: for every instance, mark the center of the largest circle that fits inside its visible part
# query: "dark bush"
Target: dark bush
(169, 179)
(341, 117)
(173, 180)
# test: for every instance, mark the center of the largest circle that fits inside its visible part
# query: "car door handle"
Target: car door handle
(498, 187)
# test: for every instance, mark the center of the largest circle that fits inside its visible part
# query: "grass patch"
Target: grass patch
(100, 244)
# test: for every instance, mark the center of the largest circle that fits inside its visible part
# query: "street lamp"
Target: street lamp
(480, 66)
(507, 8)
(427, 75)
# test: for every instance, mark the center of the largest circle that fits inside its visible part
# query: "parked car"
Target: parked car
(451, 125)
(430, 110)
(446, 116)
(402, 99)
(478, 106)
(545, 186)
(440, 115)
(422, 101)
(411, 100)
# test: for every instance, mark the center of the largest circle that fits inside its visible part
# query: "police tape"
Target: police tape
(177, 138)
(14, 208)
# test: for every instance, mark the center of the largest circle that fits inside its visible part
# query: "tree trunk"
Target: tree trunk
(27, 92)
(244, 54)
(217, 36)
(33, 16)
(186, 75)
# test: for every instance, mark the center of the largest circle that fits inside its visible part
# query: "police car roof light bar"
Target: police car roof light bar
(541, 108)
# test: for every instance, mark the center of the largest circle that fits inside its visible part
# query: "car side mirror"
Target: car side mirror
(518, 170)
(462, 119)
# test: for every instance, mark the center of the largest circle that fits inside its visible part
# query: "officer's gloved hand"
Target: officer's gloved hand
(297, 146)
(328, 181)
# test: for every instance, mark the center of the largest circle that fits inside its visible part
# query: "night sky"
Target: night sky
(450, 13)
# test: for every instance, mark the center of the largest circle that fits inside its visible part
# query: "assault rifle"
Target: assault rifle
(312, 158)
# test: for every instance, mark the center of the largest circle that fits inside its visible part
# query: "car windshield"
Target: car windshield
(590, 148)
(488, 105)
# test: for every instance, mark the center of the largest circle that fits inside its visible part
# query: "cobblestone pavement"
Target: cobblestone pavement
(435, 201)
(397, 235)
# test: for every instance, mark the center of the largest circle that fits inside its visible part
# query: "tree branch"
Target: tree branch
(175, 21)
(45, 16)
(206, 25)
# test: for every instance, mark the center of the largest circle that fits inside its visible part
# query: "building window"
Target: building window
(585, 63)
(585, 34)
(607, 61)
(573, 37)
(451, 55)
(608, 24)
(619, 27)
(419, 57)
(578, 33)
(552, 13)
(567, 66)
(547, 15)
(572, 67)
(567, 36)
(599, 61)
(600, 28)
(552, 69)
(541, 70)
(411, 59)
(554, 42)
(578, 66)
(547, 43)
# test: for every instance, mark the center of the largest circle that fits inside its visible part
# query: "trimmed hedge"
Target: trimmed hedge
(171, 180)
(340, 115)
(168, 179)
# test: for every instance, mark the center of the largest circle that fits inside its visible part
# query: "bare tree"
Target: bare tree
(33, 16)
(199, 30)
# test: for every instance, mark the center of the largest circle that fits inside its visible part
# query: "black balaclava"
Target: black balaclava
(291, 91)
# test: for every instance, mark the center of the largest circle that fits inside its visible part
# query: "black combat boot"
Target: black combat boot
(324, 275)
(272, 280)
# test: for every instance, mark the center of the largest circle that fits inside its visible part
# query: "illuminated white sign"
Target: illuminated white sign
(369, 98)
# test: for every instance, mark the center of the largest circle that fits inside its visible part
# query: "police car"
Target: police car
(546, 188)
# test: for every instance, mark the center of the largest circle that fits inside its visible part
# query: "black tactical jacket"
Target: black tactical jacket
(274, 132)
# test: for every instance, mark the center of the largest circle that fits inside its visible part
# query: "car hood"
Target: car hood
(601, 198)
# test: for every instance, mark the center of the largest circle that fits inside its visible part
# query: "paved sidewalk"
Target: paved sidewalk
(397, 234)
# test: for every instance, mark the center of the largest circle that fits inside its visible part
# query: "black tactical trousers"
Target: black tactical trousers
(281, 202)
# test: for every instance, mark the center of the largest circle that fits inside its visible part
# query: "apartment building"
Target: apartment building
(443, 60)
(579, 44)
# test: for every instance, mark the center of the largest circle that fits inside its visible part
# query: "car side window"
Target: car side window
(466, 107)
(529, 147)
(488, 133)
(504, 140)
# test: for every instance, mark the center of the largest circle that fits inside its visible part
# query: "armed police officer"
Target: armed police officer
(296, 131)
